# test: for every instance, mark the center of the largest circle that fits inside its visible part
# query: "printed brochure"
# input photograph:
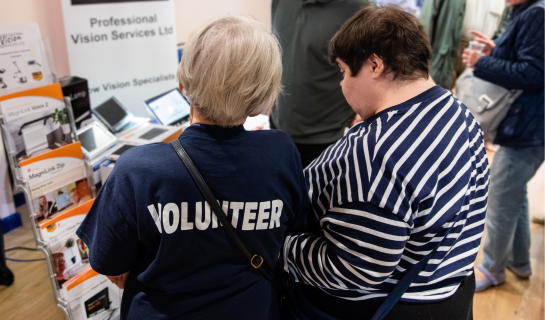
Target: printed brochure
(36, 120)
(23, 62)
(57, 180)
(92, 296)
(70, 254)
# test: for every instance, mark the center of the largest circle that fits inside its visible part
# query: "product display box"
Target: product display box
(92, 296)
(70, 254)
(78, 90)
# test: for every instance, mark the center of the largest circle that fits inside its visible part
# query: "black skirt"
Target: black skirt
(458, 307)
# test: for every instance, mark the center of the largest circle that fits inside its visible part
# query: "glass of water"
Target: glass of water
(476, 46)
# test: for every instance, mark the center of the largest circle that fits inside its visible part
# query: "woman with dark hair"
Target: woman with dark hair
(404, 190)
(513, 61)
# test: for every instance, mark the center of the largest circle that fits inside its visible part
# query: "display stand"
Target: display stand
(45, 72)
(23, 185)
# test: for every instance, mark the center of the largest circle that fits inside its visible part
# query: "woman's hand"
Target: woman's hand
(489, 44)
(119, 280)
(470, 57)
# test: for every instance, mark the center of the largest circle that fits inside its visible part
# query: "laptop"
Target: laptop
(169, 108)
(113, 115)
(95, 139)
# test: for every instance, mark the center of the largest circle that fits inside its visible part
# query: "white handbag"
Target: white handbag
(489, 103)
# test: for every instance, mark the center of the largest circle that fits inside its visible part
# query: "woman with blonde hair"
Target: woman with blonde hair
(43, 208)
(150, 229)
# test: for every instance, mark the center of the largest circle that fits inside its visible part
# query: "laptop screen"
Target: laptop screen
(169, 107)
(93, 138)
(111, 112)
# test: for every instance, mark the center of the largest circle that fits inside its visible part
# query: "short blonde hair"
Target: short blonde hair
(231, 67)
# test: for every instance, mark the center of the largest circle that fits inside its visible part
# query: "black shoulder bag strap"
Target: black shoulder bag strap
(405, 282)
(255, 260)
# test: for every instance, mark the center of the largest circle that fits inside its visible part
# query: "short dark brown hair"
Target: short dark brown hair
(395, 36)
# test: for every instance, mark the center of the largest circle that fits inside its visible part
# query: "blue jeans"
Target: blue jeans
(507, 217)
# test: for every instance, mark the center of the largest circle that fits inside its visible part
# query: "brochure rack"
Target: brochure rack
(23, 185)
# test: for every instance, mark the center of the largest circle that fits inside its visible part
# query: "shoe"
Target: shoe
(491, 280)
(523, 270)
(6, 278)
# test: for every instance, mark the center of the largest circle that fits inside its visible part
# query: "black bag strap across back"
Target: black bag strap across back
(406, 281)
(256, 261)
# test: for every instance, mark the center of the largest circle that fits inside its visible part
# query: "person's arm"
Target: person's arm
(526, 73)
(119, 281)
(361, 247)
(110, 230)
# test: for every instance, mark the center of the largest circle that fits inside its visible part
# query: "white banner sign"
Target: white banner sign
(125, 49)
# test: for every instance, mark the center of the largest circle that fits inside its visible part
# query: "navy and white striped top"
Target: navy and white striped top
(386, 194)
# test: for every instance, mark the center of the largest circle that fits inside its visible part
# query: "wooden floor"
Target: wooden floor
(31, 297)
(516, 299)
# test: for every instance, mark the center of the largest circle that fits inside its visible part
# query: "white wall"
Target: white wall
(536, 193)
(189, 14)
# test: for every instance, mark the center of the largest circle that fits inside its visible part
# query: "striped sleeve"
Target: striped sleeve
(361, 247)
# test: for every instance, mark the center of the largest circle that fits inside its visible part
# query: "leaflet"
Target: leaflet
(57, 180)
(23, 62)
(92, 296)
(70, 254)
(36, 120)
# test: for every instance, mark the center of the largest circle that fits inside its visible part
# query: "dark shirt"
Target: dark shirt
(151, 219)
(312, 108)
(517, 63)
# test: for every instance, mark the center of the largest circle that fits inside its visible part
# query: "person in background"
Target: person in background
(6, 276)
(443, 20)
(506, 16)
(412, 177)
(514, 61)
(150, 229)
(311, 109)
